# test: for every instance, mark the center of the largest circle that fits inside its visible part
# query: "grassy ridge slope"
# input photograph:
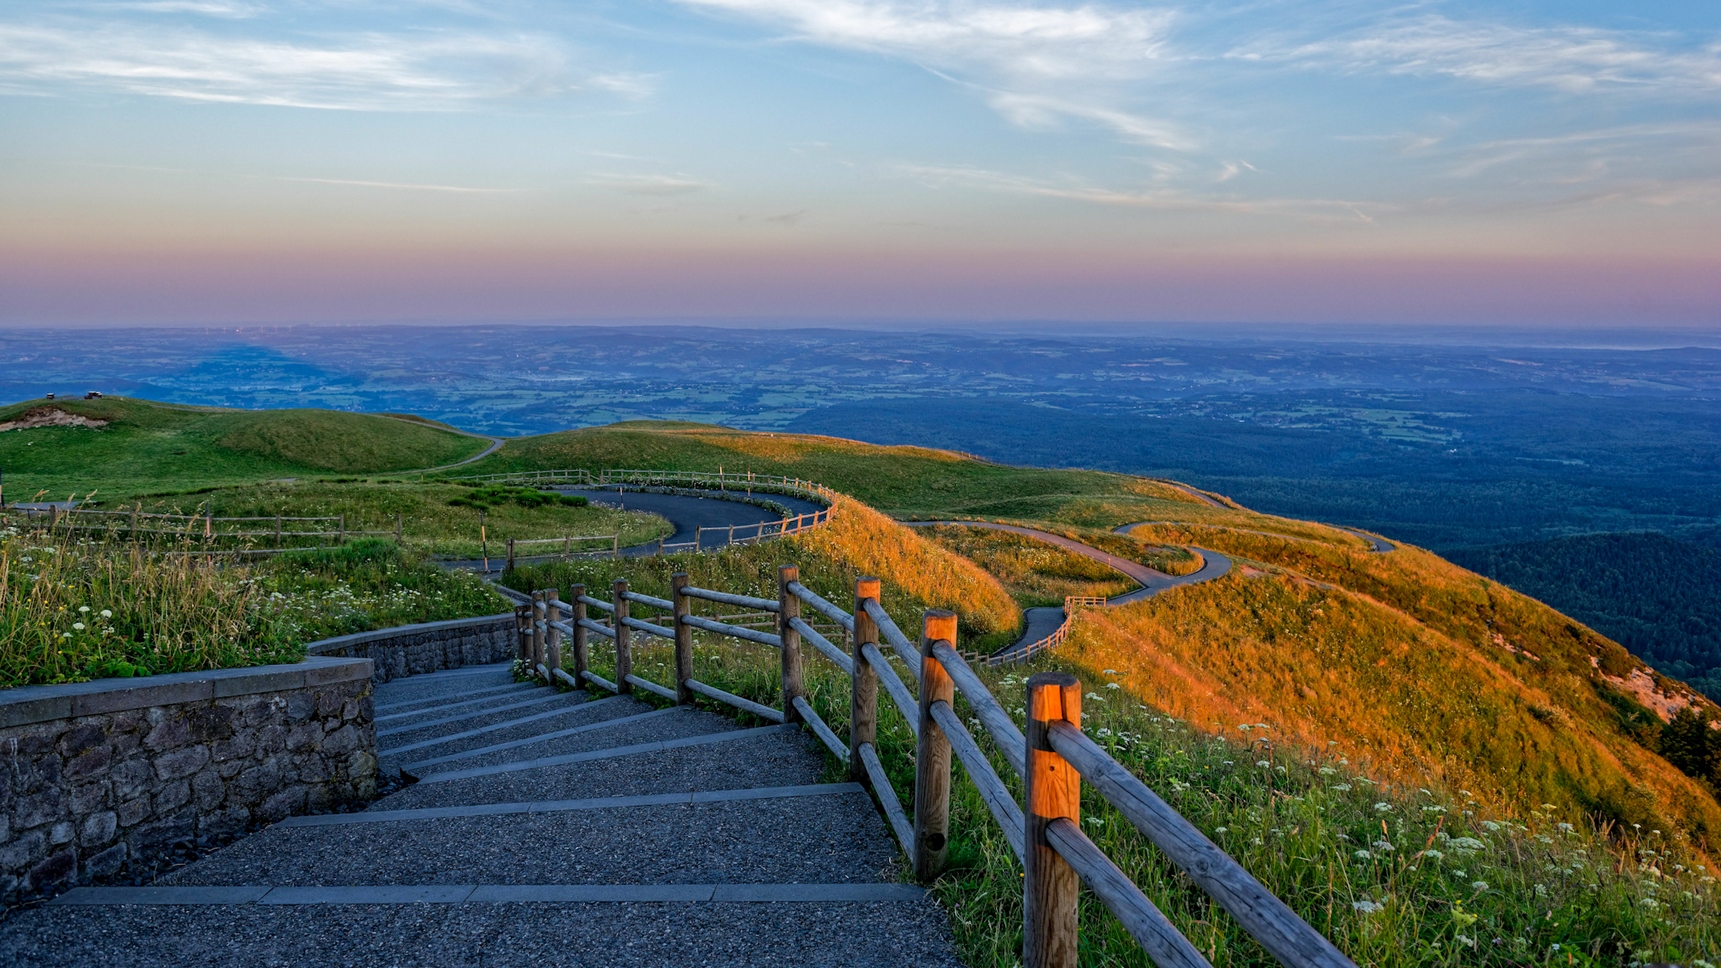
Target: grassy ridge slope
(148, 447)
(1425, 671)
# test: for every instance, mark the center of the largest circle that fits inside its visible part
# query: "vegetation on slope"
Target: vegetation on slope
(1657, 596)
(145, 447)
(74, 611)
(437, 517)
(1035, 572)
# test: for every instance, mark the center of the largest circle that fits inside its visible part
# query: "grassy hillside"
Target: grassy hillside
(1426, 672)
(147, 447)
(1657, 596)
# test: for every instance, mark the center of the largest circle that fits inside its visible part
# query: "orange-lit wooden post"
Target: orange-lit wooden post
(678, 583)
(932, 751)
(1052, 789)
(582, 654)
(623, 648)
(788, 607)
(863, 700)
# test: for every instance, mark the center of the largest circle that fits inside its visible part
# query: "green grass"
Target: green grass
(148, 447)
(1395, 877)
(81, 610)
(437, 517)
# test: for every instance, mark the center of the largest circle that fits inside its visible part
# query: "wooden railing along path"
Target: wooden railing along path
(1052, 759)
(206, 531)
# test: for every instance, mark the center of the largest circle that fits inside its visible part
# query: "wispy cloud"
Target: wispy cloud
(1035, 65)
(1162, 198)
(1563, 57)
(651, 185)
(406, 186)
(421, 70)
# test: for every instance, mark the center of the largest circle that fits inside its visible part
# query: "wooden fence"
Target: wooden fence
(1052, 759)
(205, 531)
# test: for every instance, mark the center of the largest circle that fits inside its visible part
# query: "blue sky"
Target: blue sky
(224, 159)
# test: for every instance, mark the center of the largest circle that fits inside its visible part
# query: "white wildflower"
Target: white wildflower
(1479, 885)
(1382, 807)
(1368, 907)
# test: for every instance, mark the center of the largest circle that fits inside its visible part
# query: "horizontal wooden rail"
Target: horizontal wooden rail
(562, 674)
(567, 538)
(661, 631)
(1267, 919)
(1010, 740)
(822, 606)
(739, 601)
(822, 731)
(734, 631)
(824, 645)
(592, 626)
(1145, 923)
(993, 792)
(650, 686)
(745, 705)
(887, 799)
(591, 676)
(659, 603)
(887, 677)
(596, 603)
(563, 627)
(893, 635)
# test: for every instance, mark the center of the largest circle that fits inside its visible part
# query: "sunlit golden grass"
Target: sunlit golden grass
(1328, 667)
(1035, 572)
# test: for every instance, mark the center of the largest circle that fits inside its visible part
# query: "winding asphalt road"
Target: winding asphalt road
(689, 514)
(1042, 622)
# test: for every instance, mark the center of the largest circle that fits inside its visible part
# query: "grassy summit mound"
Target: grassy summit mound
(143, 447)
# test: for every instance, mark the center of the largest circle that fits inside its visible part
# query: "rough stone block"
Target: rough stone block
(57, 869)
(181, 762)
(305, 736)
(300, 707)
(283, 804)
(100, 828)
(133, 812)
(80, 738)
(107, 862)
(88, 798)
(238, 746)
(23, 851)
(172, 796)
(208, 790)
(343, 740)
(62, 832)
(90, 763)
(171, 733)
(132, 777)
(38, 809)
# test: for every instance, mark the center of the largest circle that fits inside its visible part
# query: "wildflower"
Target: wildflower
(1433, 853)
(1382, 807)
(1650, 903)
(1368, 907)
(83, 608)
(1479, 885)
(1220, 830)
(78, 626)
(1096, 697)
(1113, 685)
(1111, 672)
(1262, 763)
(1466, 843)
(1362, 855)
(1466, 940)
(1565, 828)
(1341, 787)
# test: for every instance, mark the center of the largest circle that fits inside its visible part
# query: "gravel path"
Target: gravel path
(705, 841)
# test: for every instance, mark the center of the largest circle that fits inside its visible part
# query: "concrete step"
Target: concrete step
(617, 729)
(450, 682)
(481, 932)
(521, 724)
(440, 723)
(819, 834)
(410, 705)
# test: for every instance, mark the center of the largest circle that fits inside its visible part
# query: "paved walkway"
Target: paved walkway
(544, 828)
(1042, 622)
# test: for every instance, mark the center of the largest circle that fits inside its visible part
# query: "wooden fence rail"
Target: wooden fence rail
(1052, 758)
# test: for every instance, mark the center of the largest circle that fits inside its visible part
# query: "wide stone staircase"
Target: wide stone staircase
(542, 827)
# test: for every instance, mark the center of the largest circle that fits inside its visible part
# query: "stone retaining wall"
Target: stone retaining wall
(411, 650)
(96, 776)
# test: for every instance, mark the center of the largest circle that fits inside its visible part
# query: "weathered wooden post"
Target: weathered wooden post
(399, 528)
(552, 635)
(522, 633)
(582, 654)
(540, 616)
(683, 637)
(623, 650)
(932, 751)
(1052, 791)
(510, 565)
(863, 699)
(277, 531)
(343, 528)
(789, 607)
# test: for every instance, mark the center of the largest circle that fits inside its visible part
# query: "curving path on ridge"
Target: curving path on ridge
(1042, 622)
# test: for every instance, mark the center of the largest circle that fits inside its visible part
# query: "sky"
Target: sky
(1518, 162)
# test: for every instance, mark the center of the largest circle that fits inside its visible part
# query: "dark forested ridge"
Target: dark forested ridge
(1655, 595)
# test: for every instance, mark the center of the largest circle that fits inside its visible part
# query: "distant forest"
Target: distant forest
(1657, 596)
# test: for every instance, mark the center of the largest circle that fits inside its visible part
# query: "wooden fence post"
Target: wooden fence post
(582, 654)
(863, 700)
(1052, 790)
(678, 583)
(343, 528)
(553, 635)
(399, 528)
(277, 531)
(932, 751)
(522, 632)
(788, 607)
(623, 650)
(510, 566)
(540, 613)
